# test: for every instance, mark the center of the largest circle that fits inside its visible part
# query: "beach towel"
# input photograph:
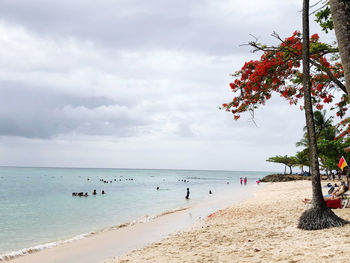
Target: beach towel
(334, 203)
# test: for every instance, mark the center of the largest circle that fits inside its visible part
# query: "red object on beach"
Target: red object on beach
(334, 203)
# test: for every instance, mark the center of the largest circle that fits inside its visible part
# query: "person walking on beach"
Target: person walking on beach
(333, 176)
(241, 179)
(245, 180)
(188, 194)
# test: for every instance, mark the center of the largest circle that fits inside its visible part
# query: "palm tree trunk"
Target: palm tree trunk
(340, 10)
(314, 165)
(319, 216)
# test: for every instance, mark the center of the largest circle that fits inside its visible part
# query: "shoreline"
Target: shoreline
(260, 229)
(160, 225)
(10, 256)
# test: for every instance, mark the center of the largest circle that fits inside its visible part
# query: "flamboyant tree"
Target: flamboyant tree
(278, 71)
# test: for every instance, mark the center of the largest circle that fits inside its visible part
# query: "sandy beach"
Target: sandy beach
(261, 229)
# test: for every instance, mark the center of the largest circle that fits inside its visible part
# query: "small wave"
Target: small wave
(144, 219)
(31, 250)
(34, 249)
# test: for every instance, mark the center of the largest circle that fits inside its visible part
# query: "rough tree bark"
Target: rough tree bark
(340, 10)
(319, 216)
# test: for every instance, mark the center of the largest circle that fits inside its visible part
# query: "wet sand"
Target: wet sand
(261, 229)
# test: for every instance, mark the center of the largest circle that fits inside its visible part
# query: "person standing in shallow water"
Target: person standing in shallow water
(188, 194)
(245, 180)
(241, 179)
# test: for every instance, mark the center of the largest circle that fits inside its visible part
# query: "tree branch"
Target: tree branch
(330, 74)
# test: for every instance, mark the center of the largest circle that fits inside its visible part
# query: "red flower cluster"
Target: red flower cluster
(344, 128)
(278, 70)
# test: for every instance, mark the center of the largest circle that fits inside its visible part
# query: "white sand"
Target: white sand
(261, 229)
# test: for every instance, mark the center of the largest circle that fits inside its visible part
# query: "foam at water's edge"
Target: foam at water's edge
(30, 250)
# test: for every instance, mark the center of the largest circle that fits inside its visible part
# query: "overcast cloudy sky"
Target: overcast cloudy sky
(137, 84)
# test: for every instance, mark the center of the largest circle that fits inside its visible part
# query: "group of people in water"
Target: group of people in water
(115, 180)
(243, 180)
(183, 180)
(86, 194)
(102, 192)
(94, 192)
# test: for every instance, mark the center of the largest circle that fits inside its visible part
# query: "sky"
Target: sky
(137, 84)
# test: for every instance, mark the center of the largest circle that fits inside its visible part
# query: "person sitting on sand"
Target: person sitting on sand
(335, 195)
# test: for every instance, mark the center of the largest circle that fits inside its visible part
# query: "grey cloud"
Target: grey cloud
(142, 25)
(133, 81)
(35, 113)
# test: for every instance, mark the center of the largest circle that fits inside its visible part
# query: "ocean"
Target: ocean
(37, 209)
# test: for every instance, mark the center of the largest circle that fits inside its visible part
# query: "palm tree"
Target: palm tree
(324, 129)
(302, 159)
(304, 142)
(340, 10)
(319, 216)
(323, 126)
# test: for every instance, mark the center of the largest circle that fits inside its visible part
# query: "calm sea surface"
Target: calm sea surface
(37, 206)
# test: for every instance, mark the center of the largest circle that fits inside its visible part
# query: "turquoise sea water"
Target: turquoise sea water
(37, 206)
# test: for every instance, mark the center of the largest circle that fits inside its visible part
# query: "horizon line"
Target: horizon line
(183, 169)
